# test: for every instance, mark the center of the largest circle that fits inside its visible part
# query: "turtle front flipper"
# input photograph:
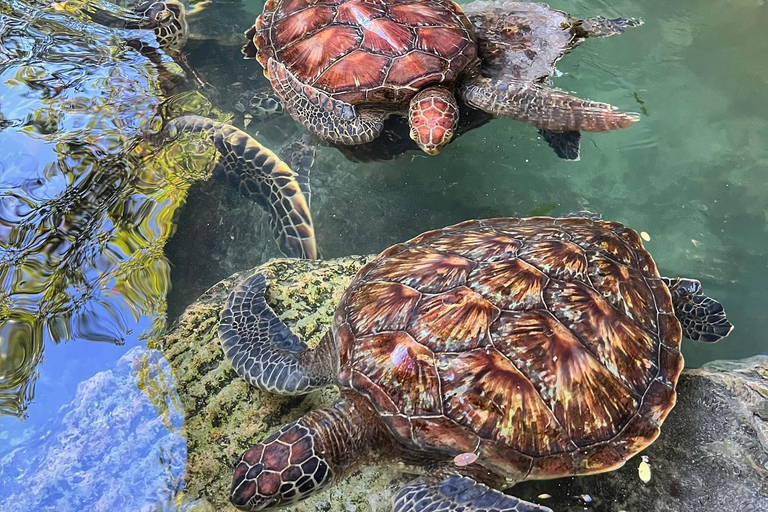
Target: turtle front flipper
(261, 176)
(567, 145)
(457, 493)
(702, 317)
(264, 351)
(541, 106)
(330, 119)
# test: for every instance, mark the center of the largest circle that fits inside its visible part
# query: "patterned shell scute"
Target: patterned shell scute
(367, 51)
(546, 346)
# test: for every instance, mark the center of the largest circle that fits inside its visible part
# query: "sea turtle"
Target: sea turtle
(481, 355)
(258, 173)
(341, 67)
(522, 40)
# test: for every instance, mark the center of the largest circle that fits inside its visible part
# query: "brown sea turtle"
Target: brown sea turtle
(341, 67)
(521, 40)
(480, 355)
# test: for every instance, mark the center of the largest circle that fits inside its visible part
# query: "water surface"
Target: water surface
(88, 209)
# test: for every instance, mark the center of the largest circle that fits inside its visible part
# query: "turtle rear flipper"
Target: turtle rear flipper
(702, 317)
(458, 493)
(542, 107)
(599, 26)
(261, 176)
(264, 351)
(567, 145)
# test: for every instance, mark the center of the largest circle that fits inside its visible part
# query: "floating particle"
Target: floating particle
(465, 459)
(644, 470)
(544, 496)
(645, 236)
(586, 498)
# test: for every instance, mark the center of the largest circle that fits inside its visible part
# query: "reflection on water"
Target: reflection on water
(84, 211)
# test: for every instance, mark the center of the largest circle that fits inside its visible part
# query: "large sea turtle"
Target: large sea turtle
(341, 67)
(480, 355)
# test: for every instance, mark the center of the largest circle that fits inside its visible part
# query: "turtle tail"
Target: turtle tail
(702, 317)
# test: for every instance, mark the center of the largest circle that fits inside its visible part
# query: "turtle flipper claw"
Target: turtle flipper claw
(260, 176)
(543, 107)
(702, 317)
(458, 493)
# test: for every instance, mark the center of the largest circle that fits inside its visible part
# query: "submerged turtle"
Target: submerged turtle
(521, 40)
(341, 67)
(243, 162)
(482, 354)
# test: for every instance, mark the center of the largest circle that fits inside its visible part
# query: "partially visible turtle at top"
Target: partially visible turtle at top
(341, 67)
(480, 355)
(521, 40)
(243, 162)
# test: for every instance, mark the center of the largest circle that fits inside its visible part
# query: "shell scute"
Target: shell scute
(358, 69)
(403, 368)
(416, 68)
(441, 40)
(558, 259)
(588, 401)
(453, 321)
(383, 35)
(378, 306)
(292, 27)
(424, 269)
(486, 392)
(510, 284)
(623, 347)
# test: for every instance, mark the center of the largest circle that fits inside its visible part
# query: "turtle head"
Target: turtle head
(433, 116)
(284, 468)
(168, 19)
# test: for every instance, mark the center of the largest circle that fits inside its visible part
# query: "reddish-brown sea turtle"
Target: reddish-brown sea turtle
(485, 354)
(341, 67)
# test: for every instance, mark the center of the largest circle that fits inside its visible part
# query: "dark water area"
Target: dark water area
(106, 236)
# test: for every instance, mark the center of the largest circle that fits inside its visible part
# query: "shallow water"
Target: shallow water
(86, 208)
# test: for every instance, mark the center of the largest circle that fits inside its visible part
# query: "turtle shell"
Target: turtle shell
(548, 347)
(366, 51)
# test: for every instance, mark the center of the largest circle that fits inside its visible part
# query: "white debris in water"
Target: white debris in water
(645, 236)
(544, 496)
(644, 470)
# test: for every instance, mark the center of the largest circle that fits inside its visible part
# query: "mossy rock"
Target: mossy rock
(224, 416)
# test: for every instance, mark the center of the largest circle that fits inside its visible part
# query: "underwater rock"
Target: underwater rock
(712, 454)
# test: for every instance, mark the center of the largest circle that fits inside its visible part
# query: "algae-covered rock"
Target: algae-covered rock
(224, 416)
(120, 444)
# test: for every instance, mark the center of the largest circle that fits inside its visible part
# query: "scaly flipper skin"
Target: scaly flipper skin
(702, 317)
(457, 493)
(264, 351)
(329, 119)
(598, 26)
(542, 107)
(260, 176)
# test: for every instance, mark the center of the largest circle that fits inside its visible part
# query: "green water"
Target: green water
(87, 219)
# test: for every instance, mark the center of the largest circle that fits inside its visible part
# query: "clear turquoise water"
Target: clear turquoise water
(691, 174)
